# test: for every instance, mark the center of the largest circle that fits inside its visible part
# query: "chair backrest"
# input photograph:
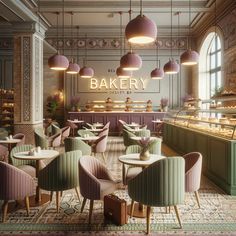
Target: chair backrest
(133, 149)
(61, 173)
(3, 133)
(72, 144)
(101, 144)
(15, 183)
(107, 125)
(20, 136)
(72, 125)
(160, 184)
(143, 133)
(17, 162)
(65, 132)
(104, 131)
(90, 170)
(126, 127)
(122, 122)
(3, 153)
(127, 138)
(193, 171)
(40, 139)
(55, 129)
(155, 146)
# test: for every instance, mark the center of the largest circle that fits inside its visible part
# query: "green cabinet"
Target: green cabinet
(219, 154)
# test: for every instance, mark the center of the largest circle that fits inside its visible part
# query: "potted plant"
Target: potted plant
(164, 104)
(75, 103)
(52, 105)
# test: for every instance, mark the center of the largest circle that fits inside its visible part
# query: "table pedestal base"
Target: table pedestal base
(45, 198)
(139, 210)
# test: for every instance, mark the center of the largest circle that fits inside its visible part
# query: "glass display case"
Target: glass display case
(215, 122)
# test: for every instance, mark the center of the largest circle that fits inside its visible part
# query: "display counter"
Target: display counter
(219, 152)
(114, 117)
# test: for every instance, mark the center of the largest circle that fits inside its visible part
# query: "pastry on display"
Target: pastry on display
(224, 120)
(213, 119)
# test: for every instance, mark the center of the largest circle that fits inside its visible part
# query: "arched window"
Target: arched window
(210, 74)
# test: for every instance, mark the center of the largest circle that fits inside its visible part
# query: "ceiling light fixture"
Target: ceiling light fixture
(189, 57)
(59, 62)
(141, 30)
(122, 74)
(157, 73)
(86, 72)
(131, 61)
(73, 67)
(171, 67)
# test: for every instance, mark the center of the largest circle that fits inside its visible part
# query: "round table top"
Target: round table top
(97, 125)
(133, 125)
(89, 138)
(43, 154)
(133, 159)
(138, 138)
(157, 121)
(76, 121)
(9, 141)
(94, 130)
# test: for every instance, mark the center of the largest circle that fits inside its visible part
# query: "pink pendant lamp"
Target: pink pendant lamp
(73, 67)
(171, 67)
(189, 57)
(58, 62)
(131, 62)
(141, 30)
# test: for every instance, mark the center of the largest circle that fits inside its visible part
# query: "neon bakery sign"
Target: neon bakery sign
(115, 83)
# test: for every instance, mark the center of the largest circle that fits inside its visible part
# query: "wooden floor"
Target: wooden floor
(168, 151)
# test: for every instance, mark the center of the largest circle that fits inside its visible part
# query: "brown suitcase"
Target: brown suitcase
(115, 209)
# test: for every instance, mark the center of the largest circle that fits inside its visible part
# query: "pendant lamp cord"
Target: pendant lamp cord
(141, 7)
(158, 63)
(189, 15)
(178, 44)
(85, 59)
(77, 44)
(171, 30)
(121, 38)
(63, 23)
(71, 37)
(130, 12)
(57, 13)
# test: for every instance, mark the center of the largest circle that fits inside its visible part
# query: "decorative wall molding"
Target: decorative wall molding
(114, 43)
(37, 79)
(26, 64)
(6, 43)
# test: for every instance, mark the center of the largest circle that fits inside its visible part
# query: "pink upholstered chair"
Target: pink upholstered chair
(54, 140)
(193, 170)
(4, 153)
(65, 133)
(73, 127)
(15, 185)
(107, 125)
(100, 146)
(104, 131)
(20, 136)
(95, 181)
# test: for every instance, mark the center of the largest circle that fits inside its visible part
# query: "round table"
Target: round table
(95, 130)
(138, 138)
(76, 121)
(133, 160)
(95, 125)
(89, 138)
(133, 125)
(10, 142)
(38, 157)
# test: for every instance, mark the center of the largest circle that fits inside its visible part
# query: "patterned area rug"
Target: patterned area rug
(217, 215)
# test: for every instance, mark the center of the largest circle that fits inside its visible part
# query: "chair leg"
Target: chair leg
(132, 208)
(83, 205)
(178, 217)
(90, 210)
(77, 193)
(197, 198)
(61, 193)
(104, 157)
(4, 208)
(58, 198)
(148, 219)
(51, 196)
(27, 205)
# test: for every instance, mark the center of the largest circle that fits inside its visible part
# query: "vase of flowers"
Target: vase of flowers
(145, 145)
(75, 103)
(164, 104)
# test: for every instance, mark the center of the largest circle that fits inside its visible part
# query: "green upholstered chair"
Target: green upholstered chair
(72, 144)
(161, 184)
(61, 174)
(83, 132)
(127, 138)
(143, 133)
(3, 133)
(27, 166)
(55, 129)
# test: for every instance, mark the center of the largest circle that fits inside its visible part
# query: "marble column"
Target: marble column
(28, 78)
